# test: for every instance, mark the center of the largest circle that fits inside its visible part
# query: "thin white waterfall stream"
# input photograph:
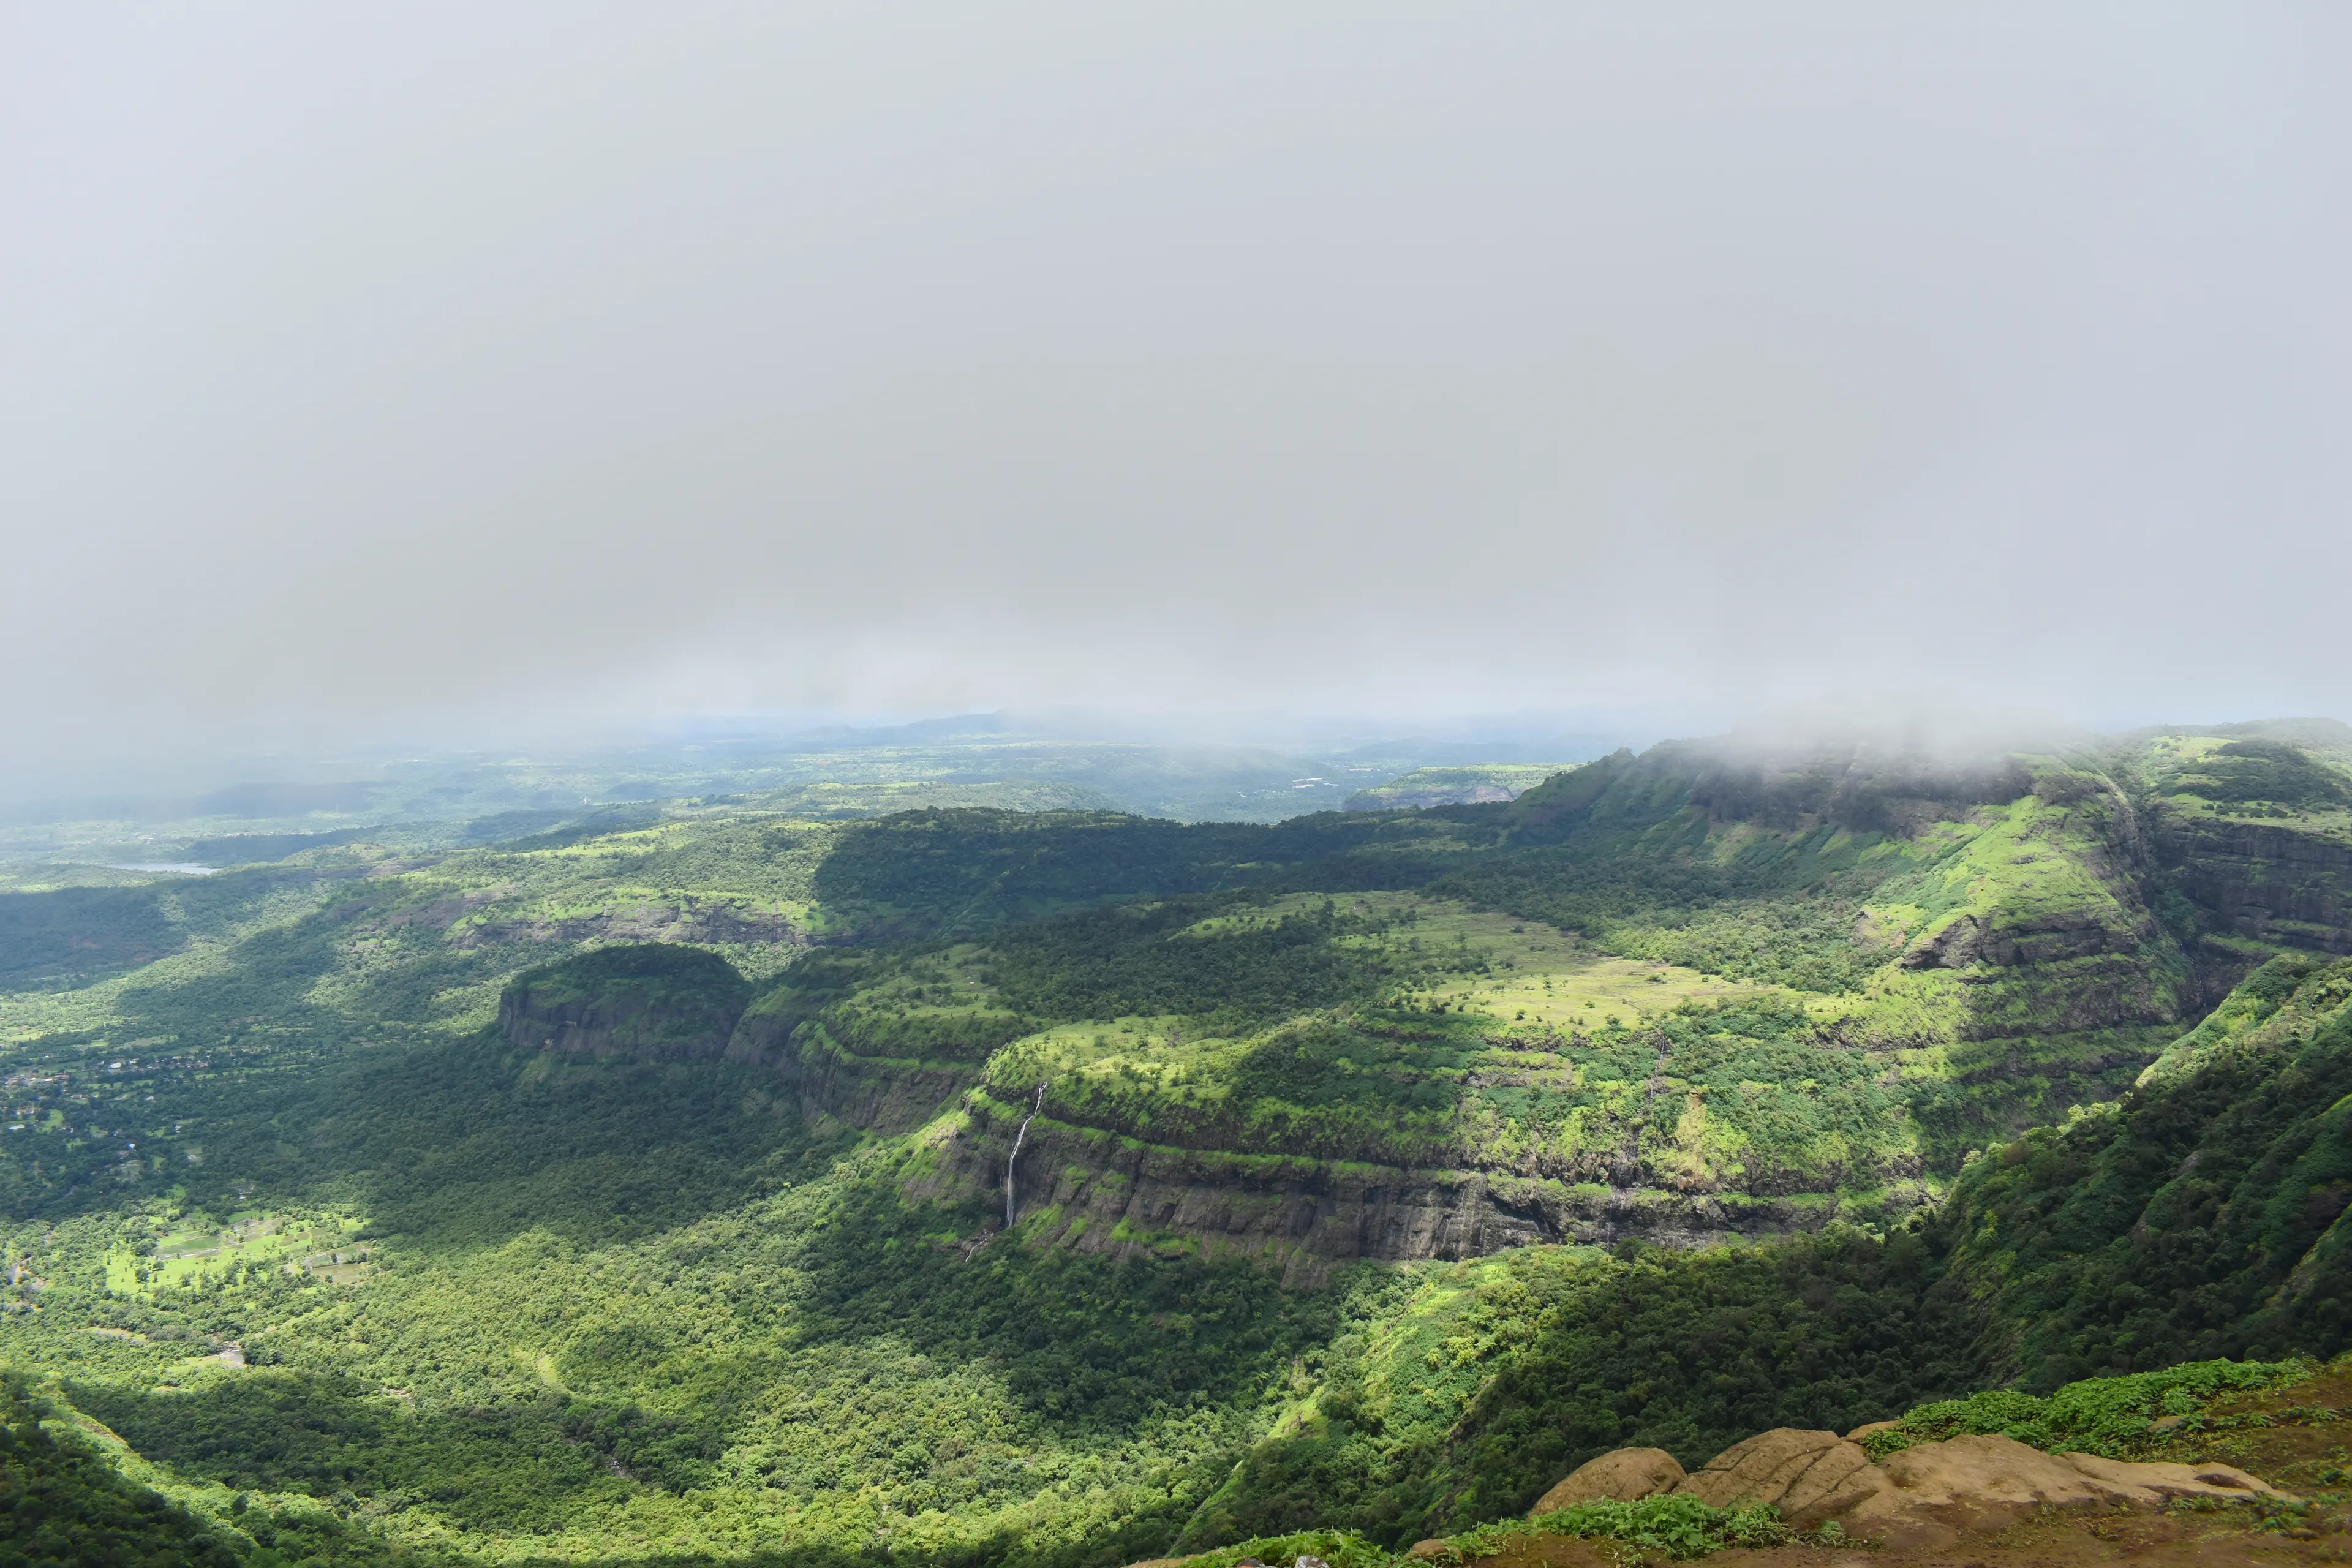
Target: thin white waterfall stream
(1010, 1159)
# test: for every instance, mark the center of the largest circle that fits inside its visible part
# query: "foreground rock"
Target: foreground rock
(1627, 1475)
(1935, 1491)
(1927, 1495)
(1811, 1476)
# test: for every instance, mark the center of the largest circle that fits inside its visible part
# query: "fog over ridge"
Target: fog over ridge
(547, 369)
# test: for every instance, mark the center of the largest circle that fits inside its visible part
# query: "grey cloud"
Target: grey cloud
(536, 364)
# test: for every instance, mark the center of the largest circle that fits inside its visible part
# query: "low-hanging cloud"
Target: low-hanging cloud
(373, 367)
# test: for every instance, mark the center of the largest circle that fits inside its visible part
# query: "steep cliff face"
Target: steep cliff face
(2272, 881)
(886, 1097)
(1094, 1191)
(2252, 824)
(873, 1065)
(650, 1002)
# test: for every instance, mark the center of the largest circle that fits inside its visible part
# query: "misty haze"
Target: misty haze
(1226, 787)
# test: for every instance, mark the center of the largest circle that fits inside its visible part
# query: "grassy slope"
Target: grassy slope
(2203, 1216)
(64, 1505)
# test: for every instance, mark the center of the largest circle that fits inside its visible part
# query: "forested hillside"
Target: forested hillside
(648, 1187)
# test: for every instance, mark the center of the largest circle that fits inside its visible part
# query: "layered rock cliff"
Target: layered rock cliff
(1095, 1190)
(2273, 882)
(652, 1002)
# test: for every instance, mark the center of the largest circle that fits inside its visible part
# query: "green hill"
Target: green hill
(2201, 1216)
(639, 1189)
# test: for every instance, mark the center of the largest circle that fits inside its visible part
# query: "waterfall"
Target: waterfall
(1015, 1155)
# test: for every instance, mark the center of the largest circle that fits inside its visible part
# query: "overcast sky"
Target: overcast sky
(378, 366)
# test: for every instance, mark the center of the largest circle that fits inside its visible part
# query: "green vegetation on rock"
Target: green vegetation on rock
(2114, 1417)
(2200, 1217)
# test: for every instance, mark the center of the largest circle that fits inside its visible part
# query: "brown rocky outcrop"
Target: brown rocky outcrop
(2163, 1482)
(1627, 1475)
(1810, 1476)
(1925, 1495)
(1933, 1492)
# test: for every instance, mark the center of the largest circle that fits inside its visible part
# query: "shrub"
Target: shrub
(1677, 1524)
(2106, 1416)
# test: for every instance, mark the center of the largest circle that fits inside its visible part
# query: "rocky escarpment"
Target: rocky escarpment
(649, 1002)
(2270, 881)
(883, 1096)
(871, 1071)
(726, 922)
(1095, 1190)
(2012, 945)
(2067, 972)
(2063, 935)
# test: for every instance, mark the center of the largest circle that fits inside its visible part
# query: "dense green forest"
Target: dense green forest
(645, 1187)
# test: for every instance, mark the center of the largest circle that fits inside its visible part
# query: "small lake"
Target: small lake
(182, 867)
